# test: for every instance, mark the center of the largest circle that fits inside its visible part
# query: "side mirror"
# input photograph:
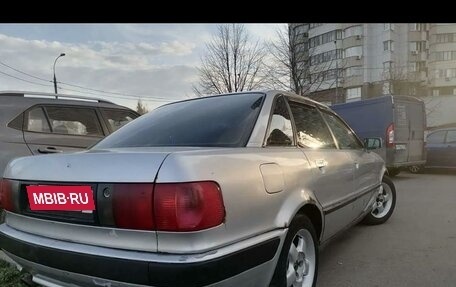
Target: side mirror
(373, 143)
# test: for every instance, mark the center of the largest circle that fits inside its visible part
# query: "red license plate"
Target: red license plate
(57, 197)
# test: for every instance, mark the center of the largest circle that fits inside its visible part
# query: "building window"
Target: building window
(356, 51)
(353, 94)
(435, 92)
(417, 46)
(325, 57)
(416, 26)
(454, 91)
(332, 74)
(445, 73)
(445, 38)
(388, 66)
(325, 38)
(444, 56)
(413, 67)
(388, 26)
(388, 45)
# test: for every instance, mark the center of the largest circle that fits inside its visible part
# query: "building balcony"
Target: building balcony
(443, 82)
(353, 61)
(352, 41)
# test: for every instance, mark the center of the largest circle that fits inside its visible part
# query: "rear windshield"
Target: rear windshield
(222, 121)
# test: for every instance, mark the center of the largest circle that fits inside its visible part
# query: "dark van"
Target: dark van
(400, 121)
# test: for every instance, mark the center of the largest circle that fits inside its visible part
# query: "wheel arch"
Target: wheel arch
(315, 215)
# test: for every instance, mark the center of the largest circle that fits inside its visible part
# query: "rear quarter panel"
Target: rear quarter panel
(250, 209)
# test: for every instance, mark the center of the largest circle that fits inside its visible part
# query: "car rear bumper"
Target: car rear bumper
(57, 263)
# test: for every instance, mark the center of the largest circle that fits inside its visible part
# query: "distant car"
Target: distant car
(39, 123)
(227, 190)
(440, 149)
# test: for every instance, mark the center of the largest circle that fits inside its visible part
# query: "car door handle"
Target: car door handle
(49, 149)
(320, 163)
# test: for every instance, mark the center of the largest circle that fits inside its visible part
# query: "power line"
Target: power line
(84, 92)
(125, 95)
(19, 71)
(6, 74)
(101, 91)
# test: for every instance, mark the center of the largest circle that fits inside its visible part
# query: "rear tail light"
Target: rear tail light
(188, 206)
(390, 136)
(6, 191)
(168, 206)
(133, 206)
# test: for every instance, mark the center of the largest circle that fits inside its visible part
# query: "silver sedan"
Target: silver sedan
(227, 190)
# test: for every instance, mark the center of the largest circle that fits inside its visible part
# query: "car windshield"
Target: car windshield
(222, 121)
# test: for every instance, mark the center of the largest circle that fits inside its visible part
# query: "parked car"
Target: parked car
(440, 149)
(38, 123)
(227, 190)
(399, 120)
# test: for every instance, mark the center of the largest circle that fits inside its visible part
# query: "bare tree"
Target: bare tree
(401, 81)
(289, 62)
(141, 108)
(233, 62)
(291, 66)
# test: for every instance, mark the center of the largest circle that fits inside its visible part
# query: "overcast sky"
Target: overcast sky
(156, 61)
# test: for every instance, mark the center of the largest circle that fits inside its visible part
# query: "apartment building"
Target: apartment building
(354, 61)
(442, 59)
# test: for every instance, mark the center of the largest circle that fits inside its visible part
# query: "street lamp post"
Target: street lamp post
(337, 74)
(55, 80)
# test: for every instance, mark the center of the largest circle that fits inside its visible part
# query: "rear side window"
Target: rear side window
(280, 129)
(311, 130)
(436, 138)
(74, 121)
(344, 136)
(36, 121)
(117, 118)
(451, 137)
(222, 121)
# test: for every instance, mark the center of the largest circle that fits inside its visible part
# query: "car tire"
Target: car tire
(415, 169)
(305, 266)
(384, 204)
(393, 171)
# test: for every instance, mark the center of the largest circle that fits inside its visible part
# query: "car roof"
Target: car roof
(27, 98)
(267, 93)
(442, 130)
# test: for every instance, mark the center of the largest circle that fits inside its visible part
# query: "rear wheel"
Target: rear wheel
(384, 204)
(415, 169)
(298, 261)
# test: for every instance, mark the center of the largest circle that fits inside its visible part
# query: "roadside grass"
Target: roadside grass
(10, 276)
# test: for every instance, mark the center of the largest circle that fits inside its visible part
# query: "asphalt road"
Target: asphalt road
(416, 247)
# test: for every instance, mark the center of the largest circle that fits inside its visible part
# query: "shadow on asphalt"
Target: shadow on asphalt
(439, 171)
(404, 176)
